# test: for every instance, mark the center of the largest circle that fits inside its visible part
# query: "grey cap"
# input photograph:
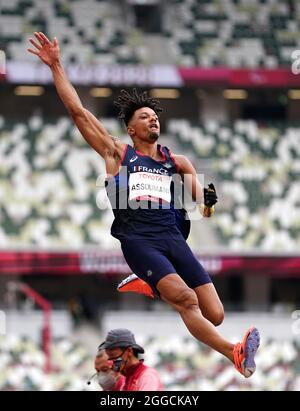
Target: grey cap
(120, 337)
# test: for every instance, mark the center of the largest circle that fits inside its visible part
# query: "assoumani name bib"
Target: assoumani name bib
(149, 186)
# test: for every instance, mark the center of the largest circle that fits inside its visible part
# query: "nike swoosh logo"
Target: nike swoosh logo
(133, 159)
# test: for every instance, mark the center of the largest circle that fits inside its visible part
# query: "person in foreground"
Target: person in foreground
(141, 191)
(108, 379)
(121, 348)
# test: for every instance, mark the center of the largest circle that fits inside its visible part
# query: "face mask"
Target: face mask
(106, 381)
(118, 364)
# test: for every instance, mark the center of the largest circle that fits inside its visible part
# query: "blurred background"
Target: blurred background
(226, 74)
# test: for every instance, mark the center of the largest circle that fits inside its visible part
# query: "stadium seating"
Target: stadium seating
(49, 194)
(233, 33)
(185, 364)
(94, 27)
(182, 363)
(207, 33)
(49, 187)
(22, 362)
(258, 170)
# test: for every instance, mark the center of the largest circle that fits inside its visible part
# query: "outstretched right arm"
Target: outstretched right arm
(90, 128)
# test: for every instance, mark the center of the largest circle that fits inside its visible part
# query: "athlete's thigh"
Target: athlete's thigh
(175, 291)
(147, 260)
(187, 265)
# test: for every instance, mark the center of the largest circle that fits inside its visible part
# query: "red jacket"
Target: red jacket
(120, 383)
(140, 377)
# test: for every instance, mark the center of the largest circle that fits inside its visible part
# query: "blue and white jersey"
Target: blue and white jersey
(142, 198)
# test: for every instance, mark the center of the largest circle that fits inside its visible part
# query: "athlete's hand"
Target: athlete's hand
(48, 52)
(207, 209)
(210, 196)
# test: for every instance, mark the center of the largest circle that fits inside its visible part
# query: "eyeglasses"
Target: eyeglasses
(118, 356)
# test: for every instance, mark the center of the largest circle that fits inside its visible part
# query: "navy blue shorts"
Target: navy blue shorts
(151, 260)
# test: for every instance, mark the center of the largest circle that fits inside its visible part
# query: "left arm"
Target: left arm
(189, 177)
(207, 197)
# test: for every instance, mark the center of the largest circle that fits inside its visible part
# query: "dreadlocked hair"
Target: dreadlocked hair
(129, 103)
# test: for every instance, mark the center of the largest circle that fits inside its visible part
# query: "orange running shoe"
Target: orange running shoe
(244, 353)
(134, 284)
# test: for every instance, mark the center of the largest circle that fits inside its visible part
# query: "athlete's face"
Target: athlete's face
(144, 125)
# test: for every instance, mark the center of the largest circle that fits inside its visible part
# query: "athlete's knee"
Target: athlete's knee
(185, 299)
(217, 316)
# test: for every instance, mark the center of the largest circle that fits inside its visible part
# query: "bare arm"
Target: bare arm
(90, 128)
(189, 178)
(205, 198)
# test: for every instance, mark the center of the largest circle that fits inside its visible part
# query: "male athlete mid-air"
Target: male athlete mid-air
(143, 204)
